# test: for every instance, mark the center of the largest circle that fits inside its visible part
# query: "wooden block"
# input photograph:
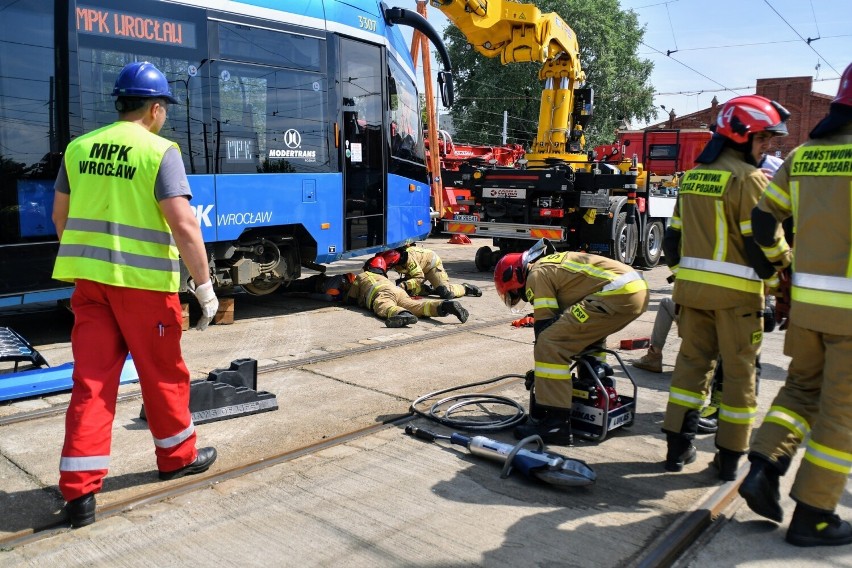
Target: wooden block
(225, 313)
(184, 308)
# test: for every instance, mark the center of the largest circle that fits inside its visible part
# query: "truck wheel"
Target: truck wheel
(484, 260)
(651, 247)
(625, 242)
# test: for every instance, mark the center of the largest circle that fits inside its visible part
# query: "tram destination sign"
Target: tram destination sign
(135, 27)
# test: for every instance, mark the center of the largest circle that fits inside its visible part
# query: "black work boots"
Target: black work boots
(760, 489)
(401, 319)
(81, 511)
(816, 527)
(453, 308)
(680, 452)
(727, 463)
(554, 428)
(203, 460)
(471, 290)
(444, 293)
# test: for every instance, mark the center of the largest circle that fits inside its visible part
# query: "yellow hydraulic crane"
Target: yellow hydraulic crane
(518, 32)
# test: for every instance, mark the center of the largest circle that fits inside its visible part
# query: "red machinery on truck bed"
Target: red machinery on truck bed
(454, 156)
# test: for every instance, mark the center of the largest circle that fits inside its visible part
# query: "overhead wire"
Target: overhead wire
(807, 41)
(690, 68)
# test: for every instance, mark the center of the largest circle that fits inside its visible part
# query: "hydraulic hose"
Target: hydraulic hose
(442, 410)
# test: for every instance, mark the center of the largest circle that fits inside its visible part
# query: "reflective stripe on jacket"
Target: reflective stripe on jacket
(814, 186)
(560, 280)
(713, 214)
(116, 233)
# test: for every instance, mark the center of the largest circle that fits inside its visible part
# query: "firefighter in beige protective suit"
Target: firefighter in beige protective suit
(578, 300)
(422, 273)
(814, 187)
(709, 246)
(372, 290)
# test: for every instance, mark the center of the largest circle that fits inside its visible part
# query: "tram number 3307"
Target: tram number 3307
(367, 23)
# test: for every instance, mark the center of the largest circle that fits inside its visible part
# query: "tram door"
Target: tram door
(363, 144)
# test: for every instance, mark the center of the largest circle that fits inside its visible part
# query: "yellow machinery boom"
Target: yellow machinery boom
(518, 32)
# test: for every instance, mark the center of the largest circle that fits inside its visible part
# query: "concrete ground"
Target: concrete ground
(384, 499)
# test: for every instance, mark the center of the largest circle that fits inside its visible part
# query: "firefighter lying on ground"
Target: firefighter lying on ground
(578, 300)
(422, 273)
(372, 290)
(322, 287)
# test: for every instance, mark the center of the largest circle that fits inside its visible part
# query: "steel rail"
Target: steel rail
(280, 366)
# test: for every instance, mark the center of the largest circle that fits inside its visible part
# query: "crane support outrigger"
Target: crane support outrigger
(561, 193)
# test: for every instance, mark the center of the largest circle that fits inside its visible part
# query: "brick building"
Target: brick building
(806, 107)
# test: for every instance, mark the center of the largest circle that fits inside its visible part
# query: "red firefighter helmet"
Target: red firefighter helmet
(510, 277)
(376, 264)
(844, 91)
(749, 114)
(391, 257)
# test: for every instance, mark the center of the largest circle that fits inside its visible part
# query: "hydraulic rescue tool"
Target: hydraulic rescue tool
(539, 464)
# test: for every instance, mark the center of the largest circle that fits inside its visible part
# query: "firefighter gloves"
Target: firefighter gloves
(526, 321)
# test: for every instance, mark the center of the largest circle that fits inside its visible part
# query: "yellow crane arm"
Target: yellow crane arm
(519, 32)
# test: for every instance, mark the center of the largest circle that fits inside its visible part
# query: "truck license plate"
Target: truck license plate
(472, 218)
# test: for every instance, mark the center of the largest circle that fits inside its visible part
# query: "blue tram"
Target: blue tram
(300, 126)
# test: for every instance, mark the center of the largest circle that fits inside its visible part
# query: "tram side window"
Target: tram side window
(406, 132)
(29, 137)
(184, 125)
(268, 120)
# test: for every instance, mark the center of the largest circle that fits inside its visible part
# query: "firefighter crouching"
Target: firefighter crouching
(422, 273)
(578, 300)
(372, 290)
(815, 403)
(709, 246)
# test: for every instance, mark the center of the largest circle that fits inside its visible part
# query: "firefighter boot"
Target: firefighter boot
(81, 511)
(727, 463)
(471, 290)
(708, 420)
(816, 527)
(680, 451)
(401, 319)
(453, 308)
(651, 361)
(554, 428)
(760, 488)
(444, 293)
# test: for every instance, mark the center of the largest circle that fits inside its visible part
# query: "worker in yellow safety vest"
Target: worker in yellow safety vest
(710, 248)
(814, 187)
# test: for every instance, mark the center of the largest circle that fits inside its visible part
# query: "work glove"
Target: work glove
(207, 300)
(782, 300)
(526, 321)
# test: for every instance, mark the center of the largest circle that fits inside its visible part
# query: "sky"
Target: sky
(721, 48)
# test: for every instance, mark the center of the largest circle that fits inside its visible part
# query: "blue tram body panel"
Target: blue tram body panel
(226, 206)
(234, 206)
(408, 210)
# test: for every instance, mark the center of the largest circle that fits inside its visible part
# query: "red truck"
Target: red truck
(664, 153)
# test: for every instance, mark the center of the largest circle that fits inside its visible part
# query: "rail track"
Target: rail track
(664, 550)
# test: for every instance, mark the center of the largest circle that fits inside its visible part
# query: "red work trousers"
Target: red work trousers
(109, 321)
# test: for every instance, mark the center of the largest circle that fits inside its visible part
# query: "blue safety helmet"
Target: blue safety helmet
(143, 80)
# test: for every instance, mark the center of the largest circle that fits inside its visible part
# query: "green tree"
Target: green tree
(608, 38)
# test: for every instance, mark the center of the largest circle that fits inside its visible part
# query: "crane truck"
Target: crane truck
(562, 192)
